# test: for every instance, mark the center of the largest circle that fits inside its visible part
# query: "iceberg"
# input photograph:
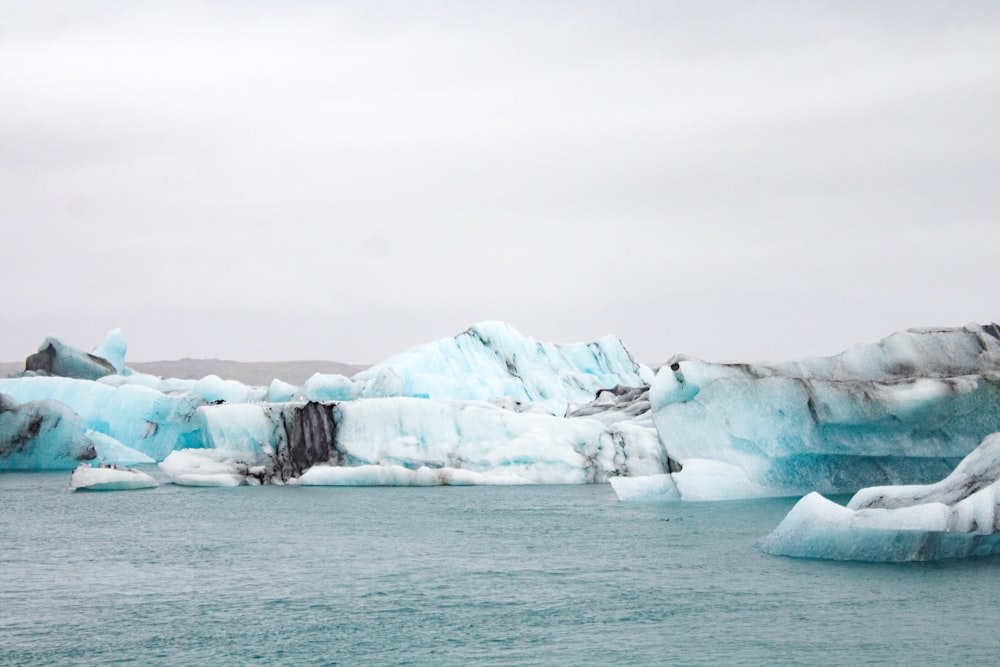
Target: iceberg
(145, 419)
(110, 451)
(87, 478)
(957, 517)
(212, 468)
(41, 435)
(456, 437)
(494, 360)
(903, 410)
(57, 358)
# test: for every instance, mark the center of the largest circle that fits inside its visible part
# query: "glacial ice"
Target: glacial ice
(905, 409)
(491, 404)
(41, 435)
(59, 359)
(954, 518)
(145, 419)
(113, 349)
(111, 451)
(87, 478)
(473, 436)
(212, 467)
(492, 359)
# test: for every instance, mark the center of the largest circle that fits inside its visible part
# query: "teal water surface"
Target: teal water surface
(540, 575)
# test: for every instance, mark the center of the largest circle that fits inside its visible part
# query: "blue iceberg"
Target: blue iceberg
(493, 360)
(957, 517)
(903, 410)
(41, 435)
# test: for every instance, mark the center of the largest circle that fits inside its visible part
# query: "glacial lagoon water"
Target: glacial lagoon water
(538, 575)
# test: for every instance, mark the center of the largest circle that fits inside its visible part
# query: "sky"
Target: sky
(738, 181)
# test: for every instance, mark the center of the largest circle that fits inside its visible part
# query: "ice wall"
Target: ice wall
(903, 410)
(41, 435)
(472, 436)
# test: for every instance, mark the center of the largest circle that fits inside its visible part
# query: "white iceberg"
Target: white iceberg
(212, 467)
(87, 478)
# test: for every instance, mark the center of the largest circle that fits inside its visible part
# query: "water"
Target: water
(546, 575)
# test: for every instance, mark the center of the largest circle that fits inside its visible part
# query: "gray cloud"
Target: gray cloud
(340, 180)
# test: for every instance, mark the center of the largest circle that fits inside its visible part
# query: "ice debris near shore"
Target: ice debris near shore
(957, 517)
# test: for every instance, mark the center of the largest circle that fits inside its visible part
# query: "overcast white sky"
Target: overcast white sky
(291, 180)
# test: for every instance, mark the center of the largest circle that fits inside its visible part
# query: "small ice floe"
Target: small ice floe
(113, 478)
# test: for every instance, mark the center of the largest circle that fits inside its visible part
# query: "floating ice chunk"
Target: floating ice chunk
(212, 467)
(41, 435)
(111, 451)
(86, 478)
(55, 357)
(955, 518)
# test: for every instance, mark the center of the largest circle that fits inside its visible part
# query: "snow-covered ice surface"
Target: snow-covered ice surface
(905, 409)
(87, 478)
(954, 518)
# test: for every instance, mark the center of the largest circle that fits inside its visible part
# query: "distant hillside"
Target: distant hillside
(8, 368)
(248, 372)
